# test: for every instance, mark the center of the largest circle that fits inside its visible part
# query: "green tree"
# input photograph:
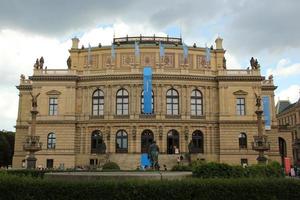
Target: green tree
(7, 140)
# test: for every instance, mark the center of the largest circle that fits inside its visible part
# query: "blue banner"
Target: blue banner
(148, 90)
(267, 114)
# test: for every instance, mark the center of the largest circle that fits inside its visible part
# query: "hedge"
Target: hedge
(222, 170)
(13, 187)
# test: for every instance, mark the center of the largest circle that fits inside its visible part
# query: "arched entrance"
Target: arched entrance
(197, 142)
(172, 141)
(146, 139)
(282, 149)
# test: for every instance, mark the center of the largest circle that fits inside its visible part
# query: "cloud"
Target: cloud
(232, 62)
(285, 68)
(291, 93)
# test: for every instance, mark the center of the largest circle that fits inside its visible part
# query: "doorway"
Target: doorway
(282, 149)
(172, 141)
(146, 139)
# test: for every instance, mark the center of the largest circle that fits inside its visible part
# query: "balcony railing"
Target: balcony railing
(57, 72)
(239, 72)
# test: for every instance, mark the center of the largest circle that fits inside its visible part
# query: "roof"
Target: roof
(282, 105)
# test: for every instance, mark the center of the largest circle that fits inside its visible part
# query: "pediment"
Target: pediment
(53, 92)
(240, 92)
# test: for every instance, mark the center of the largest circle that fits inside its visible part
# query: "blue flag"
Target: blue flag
(113, 53)
(147, 90)
(136, 49)
(185, 51)
(161, 50)
(89, 56)
(267, 114)
(207, 54)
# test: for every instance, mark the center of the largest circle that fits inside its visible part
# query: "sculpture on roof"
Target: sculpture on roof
(69, 62)
(39, 63)
(224, 63)
(254, 64)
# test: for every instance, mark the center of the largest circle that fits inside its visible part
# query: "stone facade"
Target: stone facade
(288, 119)
(72, 120)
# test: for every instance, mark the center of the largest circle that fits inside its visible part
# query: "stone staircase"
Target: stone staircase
(132, 161)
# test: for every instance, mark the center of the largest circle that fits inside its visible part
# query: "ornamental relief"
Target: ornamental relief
(127, 59)
(168, 60)
(201, 62)
(148, 59)
(107, 60)
(186, 61)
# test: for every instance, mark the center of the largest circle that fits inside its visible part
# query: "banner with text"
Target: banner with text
(147, 90)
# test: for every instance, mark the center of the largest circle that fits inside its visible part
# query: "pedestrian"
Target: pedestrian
(178, 160)
(293, 174)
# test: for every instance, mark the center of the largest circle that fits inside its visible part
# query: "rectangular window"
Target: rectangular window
(240, 106)
(53, 106)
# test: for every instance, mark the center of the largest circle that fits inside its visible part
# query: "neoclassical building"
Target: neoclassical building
(94, 110)
(288, 119)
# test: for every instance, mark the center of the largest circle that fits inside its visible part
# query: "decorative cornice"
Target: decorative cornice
(140, 77)
(24, 87)
(269, 87)
(240, 78)
(240, 92)
(54, 78)
(53, 92)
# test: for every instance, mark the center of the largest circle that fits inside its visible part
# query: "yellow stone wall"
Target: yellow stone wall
(74, 123)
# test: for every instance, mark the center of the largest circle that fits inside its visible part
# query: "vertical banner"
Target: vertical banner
(147, 90)
(267, 114)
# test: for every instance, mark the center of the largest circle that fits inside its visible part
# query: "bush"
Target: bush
(181, 168)
(111, 166)
(12, 187)
(222, 170)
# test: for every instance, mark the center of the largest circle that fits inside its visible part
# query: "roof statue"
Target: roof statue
(254, 64)
(69, 62)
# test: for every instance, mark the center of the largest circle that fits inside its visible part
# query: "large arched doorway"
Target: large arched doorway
(172, 141)
(197, 142)
(146, 139)
(282, 149)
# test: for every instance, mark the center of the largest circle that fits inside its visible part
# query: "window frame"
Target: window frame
(173, 96)
(100, 102)
(53, 106)
(123, 137)
(198, 102)
(120, 105)
(240, 106)
(243, 140)
(51, 141)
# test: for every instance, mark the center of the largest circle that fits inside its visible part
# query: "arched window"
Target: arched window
(243, 141)
(196, 103)
(98, 103)
(51, 141)
(97, 144)
(142, 102)
(122, 102)
(121, 142)
(172, 102)
(196, 145)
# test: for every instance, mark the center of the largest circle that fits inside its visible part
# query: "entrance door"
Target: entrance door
(282, 149)
(146, 139)
(172, 141)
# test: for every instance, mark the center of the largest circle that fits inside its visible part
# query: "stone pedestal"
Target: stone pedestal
(31, 162)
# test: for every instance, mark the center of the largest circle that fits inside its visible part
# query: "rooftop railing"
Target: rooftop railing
(147, 39)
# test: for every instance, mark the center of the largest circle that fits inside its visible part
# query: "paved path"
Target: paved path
(117, 175)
